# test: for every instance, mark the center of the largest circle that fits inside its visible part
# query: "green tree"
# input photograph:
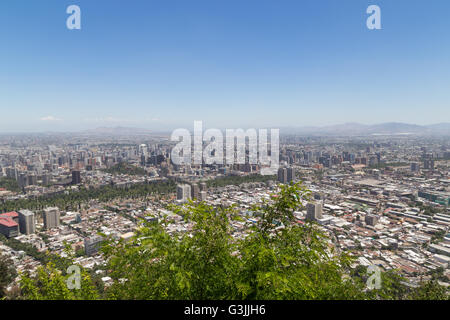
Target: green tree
(276, 258)
(51, 284)
(292, 262)
(282, 259)
(7, 274)
(159, 265)
(9, 184)
(429, 290)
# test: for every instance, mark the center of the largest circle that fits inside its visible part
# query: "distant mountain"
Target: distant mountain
(390, 128)
(346, 129)
(118, 131)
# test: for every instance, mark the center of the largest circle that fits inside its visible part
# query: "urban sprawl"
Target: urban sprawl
(384, 199)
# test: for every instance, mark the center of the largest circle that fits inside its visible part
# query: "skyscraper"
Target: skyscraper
(286, 175)
(371, 219)
(428, 164)
(282, 175)
(415, 166)
(27, 222)
(76, 177)
(195, 191)
(314, 211)
(51, 217)
(92, 245)
(183, 192)
(290, 174)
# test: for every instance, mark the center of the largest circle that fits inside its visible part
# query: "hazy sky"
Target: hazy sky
(163, 64)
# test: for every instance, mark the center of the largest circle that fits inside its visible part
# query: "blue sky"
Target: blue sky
(231, 63)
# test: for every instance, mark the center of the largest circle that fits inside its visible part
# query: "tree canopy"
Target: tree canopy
(275, 258)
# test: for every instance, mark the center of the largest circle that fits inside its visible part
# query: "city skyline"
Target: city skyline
(253, 64)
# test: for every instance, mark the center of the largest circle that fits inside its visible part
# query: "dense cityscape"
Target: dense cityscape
(227, 159)
(383, 199)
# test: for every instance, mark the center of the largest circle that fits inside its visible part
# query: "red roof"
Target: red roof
(11, 214)
(8, 222)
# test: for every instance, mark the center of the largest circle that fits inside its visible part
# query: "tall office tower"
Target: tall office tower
(143, 160)
(282, 175)
(45, 179)
(76, 177)
(314, 211)
(195, 191)
(290, 174)
(23, 180)
(143, 150)
(187, 191)
(51, 218)
(414, 166)
(371, 219)
(27, 223)
(428, 164)
(180, 191)
(32, 180)
(12, 173)
(203, 195)
(183, 192)
(203, 187)
(92, 245)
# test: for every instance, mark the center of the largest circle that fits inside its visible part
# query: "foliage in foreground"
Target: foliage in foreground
(7, 274)
(51, 283)
(278, 259)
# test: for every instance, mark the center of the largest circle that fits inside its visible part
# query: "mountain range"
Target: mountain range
(346, 129)
(390, 128)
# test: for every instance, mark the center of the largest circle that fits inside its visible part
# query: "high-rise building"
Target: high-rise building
(414, 166)
(282, 175)
(92, 245)
(23, 180)
(371, 219)
(46, 179)
(183, 192)
(428, 164)
(314, 211)
(195, 191)
(76, 177)
(51, 217)
(32, 179)
(180, 191)
(290, 174)
(203, 186)
(27, 222)
(143, 160)
(286, 175)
